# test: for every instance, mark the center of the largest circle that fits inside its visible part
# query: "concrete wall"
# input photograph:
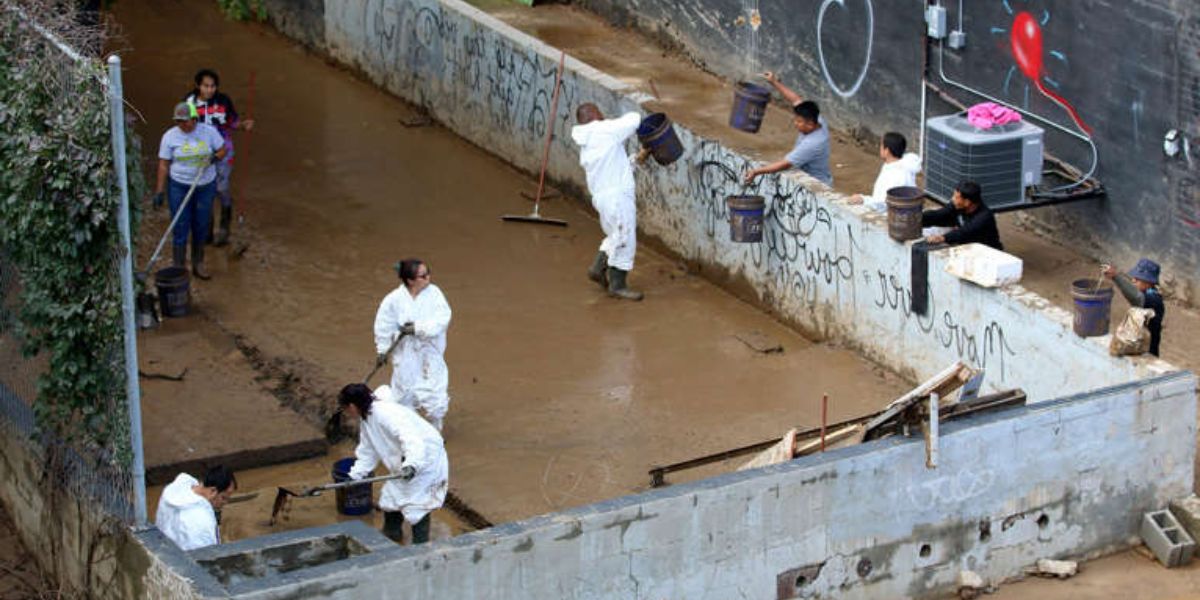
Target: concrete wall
(825, 266)
(76, 539)
(1132, 69)
(1064, 479)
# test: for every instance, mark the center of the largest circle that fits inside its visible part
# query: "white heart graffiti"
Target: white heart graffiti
(866, 61)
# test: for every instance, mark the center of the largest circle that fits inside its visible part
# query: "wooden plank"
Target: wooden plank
(832, 439)
(780, 452)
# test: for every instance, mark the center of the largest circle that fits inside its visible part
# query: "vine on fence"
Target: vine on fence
(58, 228)
(242, 10)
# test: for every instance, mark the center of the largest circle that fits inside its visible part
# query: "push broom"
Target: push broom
(535, 216)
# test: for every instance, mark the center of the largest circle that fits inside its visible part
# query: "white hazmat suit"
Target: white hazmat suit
(186, 517)
(610, 181)
(398, 437)
(420, 378)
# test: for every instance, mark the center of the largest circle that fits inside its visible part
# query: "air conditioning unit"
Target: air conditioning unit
(1003, 160)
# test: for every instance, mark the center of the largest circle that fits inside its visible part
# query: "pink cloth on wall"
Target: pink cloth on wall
(986, 115)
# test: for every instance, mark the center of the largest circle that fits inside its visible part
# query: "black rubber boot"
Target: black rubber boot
(198, 262)
(222, 238)
(597, 272)
(617, 288)
(179, 256)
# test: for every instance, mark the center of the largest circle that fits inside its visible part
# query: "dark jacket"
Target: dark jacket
(1149, 299)
(978, 227)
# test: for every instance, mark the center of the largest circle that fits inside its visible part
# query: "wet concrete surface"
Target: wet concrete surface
(560, 395)
(185, 423)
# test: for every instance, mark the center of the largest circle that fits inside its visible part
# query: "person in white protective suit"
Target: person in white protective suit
(418, 311)
(610, 180)
(407, 445)
(187, 509)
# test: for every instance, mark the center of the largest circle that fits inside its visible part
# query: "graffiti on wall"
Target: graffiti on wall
(870, 35)
(510, 86)
(811, 256)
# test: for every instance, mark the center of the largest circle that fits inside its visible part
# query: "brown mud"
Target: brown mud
(560, 395)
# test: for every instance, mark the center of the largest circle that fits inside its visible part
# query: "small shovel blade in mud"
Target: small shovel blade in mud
(281, 496)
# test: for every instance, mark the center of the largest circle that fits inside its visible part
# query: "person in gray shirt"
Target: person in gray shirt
(811, 152)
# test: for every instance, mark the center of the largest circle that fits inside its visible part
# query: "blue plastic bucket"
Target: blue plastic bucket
(745, 218)
(1093, 306)
(657, 134)
(354, 500)
(749, 106)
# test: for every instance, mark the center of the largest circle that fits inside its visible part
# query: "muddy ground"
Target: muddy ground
(560, 396)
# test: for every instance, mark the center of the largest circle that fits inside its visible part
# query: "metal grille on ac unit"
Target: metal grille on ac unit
(1003, 160)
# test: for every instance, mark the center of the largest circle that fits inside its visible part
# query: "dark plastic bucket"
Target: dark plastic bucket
(745, 218)
(1093, 306)
(904, 212)
(749, 106)
(352, 500)
(173, 296)
(657, 134)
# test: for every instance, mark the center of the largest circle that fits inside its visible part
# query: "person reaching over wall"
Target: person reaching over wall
(610, 181)
(407, 445)
(899, 169)
(216, 109)
(187, 508)
(1140, 288)
(811, 151)
(417, 310)
(973, 222)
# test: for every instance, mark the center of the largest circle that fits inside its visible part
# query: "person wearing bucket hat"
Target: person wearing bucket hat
(1140, 288)
(186, 155)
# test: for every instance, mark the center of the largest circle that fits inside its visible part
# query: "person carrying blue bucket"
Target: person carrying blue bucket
(1140, 288)
(811, 150)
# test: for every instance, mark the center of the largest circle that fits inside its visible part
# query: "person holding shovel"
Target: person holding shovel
(186, 155)
(417, 310)
(408, 446)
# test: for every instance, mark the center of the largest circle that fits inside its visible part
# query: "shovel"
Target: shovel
(281, 496)
(333, 426)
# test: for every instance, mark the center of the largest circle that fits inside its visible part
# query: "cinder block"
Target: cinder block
(1167, 539)
(1187, 511)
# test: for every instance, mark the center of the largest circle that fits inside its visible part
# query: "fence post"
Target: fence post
(132, 391)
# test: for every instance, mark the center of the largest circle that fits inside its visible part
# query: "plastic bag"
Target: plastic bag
(1132, 337)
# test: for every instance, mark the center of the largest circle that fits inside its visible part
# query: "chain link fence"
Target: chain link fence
(50, 54)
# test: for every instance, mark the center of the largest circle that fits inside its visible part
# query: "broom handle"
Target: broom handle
(562, 59)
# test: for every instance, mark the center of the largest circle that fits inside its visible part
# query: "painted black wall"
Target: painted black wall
(1132, 69)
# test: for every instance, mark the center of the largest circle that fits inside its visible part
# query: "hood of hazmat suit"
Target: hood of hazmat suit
(398, 437)
(602, 153)
(185, 516)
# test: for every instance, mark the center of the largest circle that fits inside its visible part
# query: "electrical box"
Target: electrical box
(958, 39)
(935, 17)
(1004, 160)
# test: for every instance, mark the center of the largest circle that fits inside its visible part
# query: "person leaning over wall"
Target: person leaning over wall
(1140, 288)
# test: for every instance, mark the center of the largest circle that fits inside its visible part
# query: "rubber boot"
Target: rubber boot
(198, 262)
(617, 288)
(597, 272)
(179, 256)
(222, 238)
(208, 239)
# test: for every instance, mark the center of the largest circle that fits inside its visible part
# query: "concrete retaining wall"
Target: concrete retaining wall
(1065, 479)
(1131, 98)
(825, 266)
(75, 539)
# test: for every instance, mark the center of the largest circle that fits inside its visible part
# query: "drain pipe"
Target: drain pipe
(132, 391)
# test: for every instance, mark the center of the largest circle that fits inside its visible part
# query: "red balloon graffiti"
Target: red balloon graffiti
(1026, 42)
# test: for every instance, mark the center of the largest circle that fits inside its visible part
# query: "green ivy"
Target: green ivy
(58, 228)
(242, 10)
